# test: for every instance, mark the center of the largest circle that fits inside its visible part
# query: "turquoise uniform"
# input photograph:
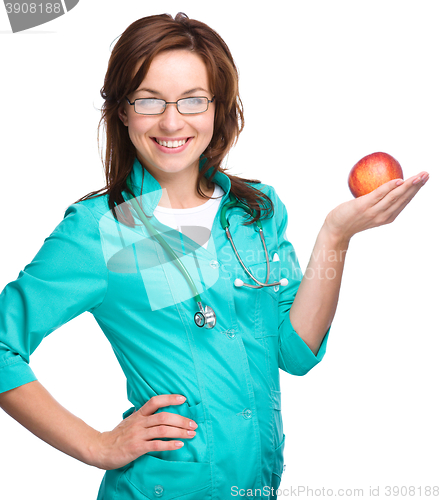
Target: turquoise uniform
(145, 307)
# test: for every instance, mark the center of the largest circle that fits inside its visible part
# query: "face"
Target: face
(171, 76)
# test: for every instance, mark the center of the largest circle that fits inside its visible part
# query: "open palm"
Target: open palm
(376, 208)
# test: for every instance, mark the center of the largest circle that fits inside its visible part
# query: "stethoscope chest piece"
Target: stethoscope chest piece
(205, 317)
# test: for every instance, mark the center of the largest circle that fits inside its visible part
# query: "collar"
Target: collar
(150, 185)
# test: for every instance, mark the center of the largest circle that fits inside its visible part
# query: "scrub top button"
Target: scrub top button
(214, 264)
(231, 334)
(247, 413)
(159, 490)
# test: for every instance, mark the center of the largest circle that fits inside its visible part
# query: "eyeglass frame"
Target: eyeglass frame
(170, 102)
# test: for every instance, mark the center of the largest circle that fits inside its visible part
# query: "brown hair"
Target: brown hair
(144, 39)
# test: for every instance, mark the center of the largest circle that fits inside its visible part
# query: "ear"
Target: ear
(122, 113)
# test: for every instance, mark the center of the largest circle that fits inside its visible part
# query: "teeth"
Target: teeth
(171, 144)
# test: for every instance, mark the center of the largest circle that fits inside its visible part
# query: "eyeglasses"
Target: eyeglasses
(186, 106)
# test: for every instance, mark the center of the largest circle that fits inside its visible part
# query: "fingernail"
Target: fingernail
(192, 424)
(180, 398)
(416, 180)
(191, 433)
(425, 180)
(178, 444)
(399, 182)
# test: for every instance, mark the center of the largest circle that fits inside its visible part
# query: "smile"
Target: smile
(172, 143)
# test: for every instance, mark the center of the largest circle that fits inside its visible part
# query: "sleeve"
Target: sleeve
(295, 357)
(67, 276)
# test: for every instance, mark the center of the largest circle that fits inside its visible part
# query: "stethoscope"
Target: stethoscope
(206, 317)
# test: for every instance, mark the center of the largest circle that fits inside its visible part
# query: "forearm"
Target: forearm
(34, 408)
(314, 306)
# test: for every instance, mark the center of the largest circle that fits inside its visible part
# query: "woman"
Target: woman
(206, 420)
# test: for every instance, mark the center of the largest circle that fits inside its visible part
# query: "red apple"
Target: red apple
(371, 172)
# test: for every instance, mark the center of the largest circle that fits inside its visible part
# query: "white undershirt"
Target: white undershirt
(195, 222)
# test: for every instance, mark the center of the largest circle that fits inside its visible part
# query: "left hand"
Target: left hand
(376, 208)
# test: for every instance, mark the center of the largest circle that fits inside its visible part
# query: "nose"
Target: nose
(171, 119)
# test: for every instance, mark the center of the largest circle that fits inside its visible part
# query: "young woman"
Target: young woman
(188, 272)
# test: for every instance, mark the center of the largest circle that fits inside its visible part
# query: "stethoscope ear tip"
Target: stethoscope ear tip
(283, 282)
(238, 282)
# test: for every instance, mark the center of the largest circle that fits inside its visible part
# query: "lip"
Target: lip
(171, 138)
(171, 151)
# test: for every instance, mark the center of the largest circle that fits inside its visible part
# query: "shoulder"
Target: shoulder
(82, 220)
(271, 192)
(279, 217)
(267, 189)
(94, 208)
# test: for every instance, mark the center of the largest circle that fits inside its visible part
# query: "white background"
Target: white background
(323, 84)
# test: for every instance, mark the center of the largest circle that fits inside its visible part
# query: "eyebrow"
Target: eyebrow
(191, 91)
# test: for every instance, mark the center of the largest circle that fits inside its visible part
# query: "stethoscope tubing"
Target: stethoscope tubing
(207, 317)
(167, 247)
(260, 285)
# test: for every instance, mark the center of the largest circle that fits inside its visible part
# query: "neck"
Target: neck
(184, 196)
(180, 191)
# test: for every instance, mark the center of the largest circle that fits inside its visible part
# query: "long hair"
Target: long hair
(142, 41)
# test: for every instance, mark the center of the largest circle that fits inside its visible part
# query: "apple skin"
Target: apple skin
(371, 172)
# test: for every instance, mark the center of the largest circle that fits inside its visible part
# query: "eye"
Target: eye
(192, 105)
(149, 105)
(195, 101)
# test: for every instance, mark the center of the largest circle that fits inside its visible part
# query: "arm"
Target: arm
(295, 355)
(34, 408)
(67, 277)
(315, 304)
(314, 307)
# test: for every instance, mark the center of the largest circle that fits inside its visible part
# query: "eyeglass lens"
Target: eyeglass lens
(189, 105)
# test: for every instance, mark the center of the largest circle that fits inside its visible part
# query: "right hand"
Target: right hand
(139, 432)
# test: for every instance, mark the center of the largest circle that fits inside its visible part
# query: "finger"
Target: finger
(165, 431)
(387, 209)
(172, 419)
(397, 204)
(406, 191)
(378, 194)
(382, 191)
(159, 445)
(422, 178)
(159, 402)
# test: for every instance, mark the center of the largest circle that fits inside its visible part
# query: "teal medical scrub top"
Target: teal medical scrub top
(143, 304)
